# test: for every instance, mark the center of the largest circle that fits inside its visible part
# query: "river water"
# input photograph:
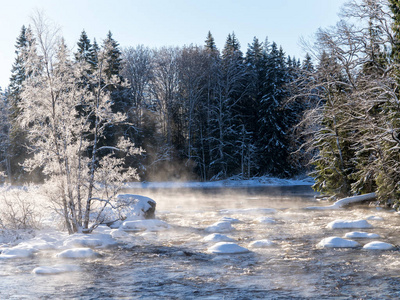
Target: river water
(175, 264)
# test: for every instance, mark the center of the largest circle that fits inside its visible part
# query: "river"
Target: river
(175, 263)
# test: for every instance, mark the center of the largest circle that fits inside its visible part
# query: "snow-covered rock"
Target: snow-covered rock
(343, 202)
(262, 244)
(266, 220)
(133, 207)
(56, 269)
(376, 245)
(337, 242)
(361, 235)
(227, 248)
(78, 253)
(338, 224)
(217, 237)
(144, 225)
(220, 227)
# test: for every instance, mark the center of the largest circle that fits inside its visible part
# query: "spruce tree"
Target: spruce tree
(17, 152)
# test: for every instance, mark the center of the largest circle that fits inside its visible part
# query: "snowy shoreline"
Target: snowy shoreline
(227, 183)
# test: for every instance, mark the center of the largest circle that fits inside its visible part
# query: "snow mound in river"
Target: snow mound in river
(338, 224)
(217, 237)
(56, 269)
(227, 248)
(78, 253)
(378, 246)
(262, 244)
(361, 235)
(221, 226)
(337, 242)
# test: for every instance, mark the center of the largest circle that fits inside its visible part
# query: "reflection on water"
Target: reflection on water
(174, 264)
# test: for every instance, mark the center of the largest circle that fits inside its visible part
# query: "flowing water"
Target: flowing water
(175, 264)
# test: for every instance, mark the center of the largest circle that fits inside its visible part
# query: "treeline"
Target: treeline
(195, 111)
(353, 131)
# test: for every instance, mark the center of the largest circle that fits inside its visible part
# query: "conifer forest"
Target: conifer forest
(195, 112)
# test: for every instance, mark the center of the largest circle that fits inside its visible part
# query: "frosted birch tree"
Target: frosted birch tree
(83, 181)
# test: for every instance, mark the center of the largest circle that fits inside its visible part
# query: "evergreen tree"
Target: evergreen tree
(17, 152)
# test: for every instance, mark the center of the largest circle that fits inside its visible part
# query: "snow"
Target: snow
(132, 206)
(266, 220)
(376, 245)
(361, 235)
(338, 224)
(337, 242)
(374, 218)
(217, 237)
(227, 248)
(16, 252)
(343, 202)
(219, 227)
(230, 220)
(78, 253)
(261, 244)
(95, 240)
(56, 269)
(144, 225)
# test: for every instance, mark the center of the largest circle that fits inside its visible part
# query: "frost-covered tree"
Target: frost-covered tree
(82, 184)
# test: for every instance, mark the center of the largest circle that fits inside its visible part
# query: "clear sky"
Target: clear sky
(157, 23)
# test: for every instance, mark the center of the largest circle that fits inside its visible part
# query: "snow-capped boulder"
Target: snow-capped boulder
(144, 225)
(361, 235)
(376, 245)
(217, 237)
(78, 253)
(337, 242)
(339, 224)
(262, 244)
(57, 269)
(220, 227)
(132, 207)
(227, 248)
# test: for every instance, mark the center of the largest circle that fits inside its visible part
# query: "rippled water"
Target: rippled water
(174, 264)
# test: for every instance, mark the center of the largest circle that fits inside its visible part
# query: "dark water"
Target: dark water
(175, 264)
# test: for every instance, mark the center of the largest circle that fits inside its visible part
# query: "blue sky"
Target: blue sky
(157, 23)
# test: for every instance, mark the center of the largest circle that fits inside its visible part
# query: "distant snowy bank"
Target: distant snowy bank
(227, 183)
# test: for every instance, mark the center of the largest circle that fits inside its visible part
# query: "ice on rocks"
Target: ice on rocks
(262, 244)
(339, 224)
(144, 225)
(376, 245)
(227, 248)
(133, 207)
(337, 242)
(220, 227)
(361, 235)
(56, 269)
(217, 237)
(78, 253)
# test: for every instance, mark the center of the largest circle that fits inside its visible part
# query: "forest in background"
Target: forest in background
(195, 112)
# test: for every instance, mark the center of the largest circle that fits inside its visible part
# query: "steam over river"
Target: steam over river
(175, 263)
